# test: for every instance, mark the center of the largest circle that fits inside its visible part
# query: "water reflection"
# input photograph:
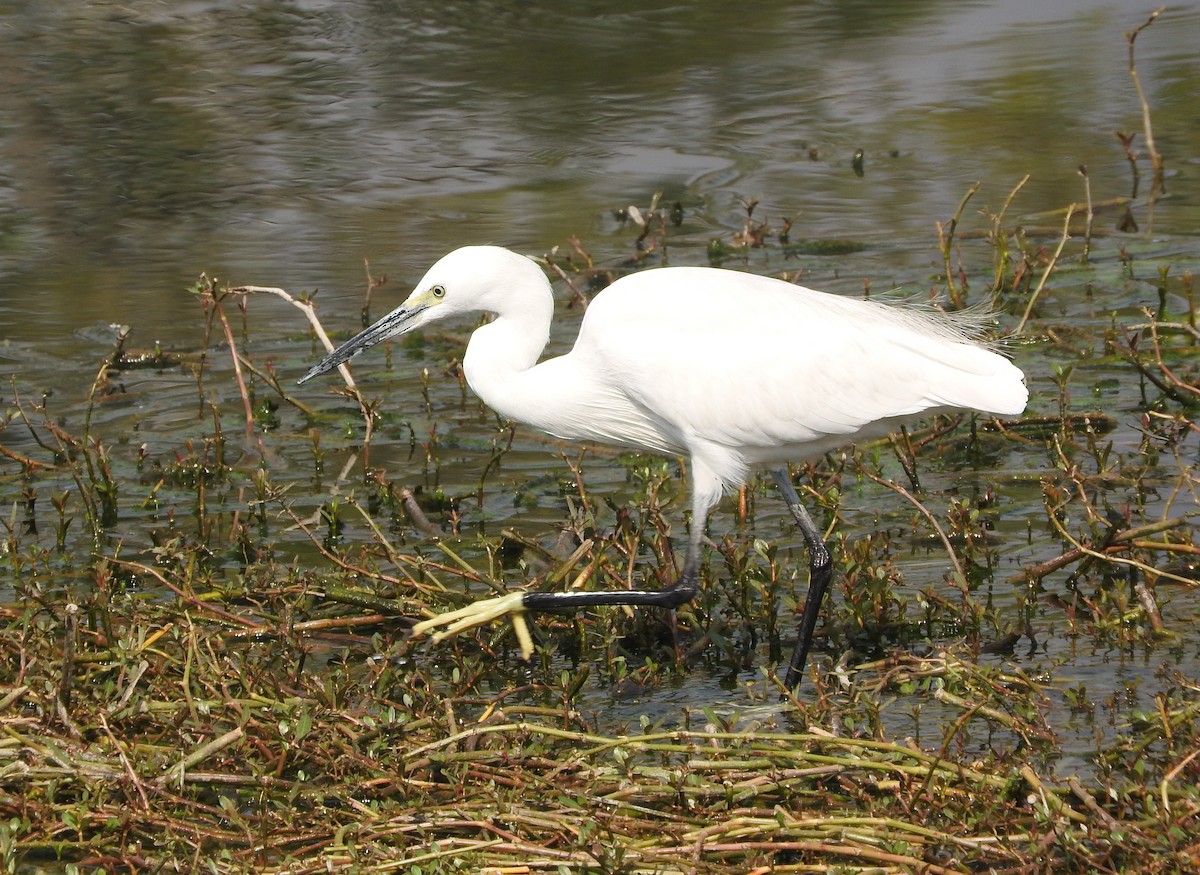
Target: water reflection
(284, 141)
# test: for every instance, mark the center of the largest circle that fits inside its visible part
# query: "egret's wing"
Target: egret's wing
(757, 363)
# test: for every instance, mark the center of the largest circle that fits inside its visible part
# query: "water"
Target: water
(282, 143)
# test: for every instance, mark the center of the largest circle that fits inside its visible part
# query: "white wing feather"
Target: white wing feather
(759, 363)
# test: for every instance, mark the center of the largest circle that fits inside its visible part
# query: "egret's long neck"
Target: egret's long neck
(502, 352)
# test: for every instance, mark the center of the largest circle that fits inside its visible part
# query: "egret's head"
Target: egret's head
(466, 280)
(477, 279)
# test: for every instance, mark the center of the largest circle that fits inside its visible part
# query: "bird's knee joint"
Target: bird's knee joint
(681, 593)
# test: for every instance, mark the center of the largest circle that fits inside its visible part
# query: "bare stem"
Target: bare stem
(310, 313)
(1156, 160)
(999, 236)
(1091, 214)
(1066, 235)
(957, 296)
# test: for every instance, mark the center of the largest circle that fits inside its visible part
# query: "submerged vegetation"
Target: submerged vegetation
(207, 659)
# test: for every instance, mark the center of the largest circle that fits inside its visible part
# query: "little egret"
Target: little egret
(732, 370)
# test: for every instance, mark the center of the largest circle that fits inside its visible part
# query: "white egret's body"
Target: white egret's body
(730, 369)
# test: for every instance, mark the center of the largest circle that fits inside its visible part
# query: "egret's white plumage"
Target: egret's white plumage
(733, 370)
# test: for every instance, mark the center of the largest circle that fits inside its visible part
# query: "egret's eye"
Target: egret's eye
(438, 291)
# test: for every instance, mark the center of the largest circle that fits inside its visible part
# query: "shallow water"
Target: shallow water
(280, 144)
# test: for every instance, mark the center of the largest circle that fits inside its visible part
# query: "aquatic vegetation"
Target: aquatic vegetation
(232, 651)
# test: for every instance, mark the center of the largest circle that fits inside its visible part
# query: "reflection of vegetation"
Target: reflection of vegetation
(107, 122)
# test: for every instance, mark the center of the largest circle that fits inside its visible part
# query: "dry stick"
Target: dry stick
(1167, 547)
(1089, 801)
(1174, 326)
(1120, 542)
(1051, 801)
(31, 464)
(177, 771)
(187, 597)
(339, 624)
(1142, 368)
(129, 772)
(577, 296)
(1091, 214)
(904, 493)
(1066, 235)
(237, 372)
(1015, 724)
(136, 675)
(947, 245)
(1075, 478)
(998, 235)
(12, 695)
(1162, 366)
(310, 313)
(1170, 776)
(1104, 557)
(1156, 160)
(575, 244)
(307, 309)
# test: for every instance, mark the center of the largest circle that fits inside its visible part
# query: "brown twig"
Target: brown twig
(960, 576)
(310, 314)
(247, 407)
(958, 297)
(1066, 235)
(1156, 160)
(200, 604)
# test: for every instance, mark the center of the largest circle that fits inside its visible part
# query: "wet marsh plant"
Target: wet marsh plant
(243, 689)
(85, 458)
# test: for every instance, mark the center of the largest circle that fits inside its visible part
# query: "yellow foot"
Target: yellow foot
(479, 613)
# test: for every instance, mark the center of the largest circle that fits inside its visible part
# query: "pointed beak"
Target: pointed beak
(397, 322)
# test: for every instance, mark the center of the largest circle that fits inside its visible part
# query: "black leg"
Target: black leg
(515, 604)
(820, 572)
(671, 597)
(678, 593)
